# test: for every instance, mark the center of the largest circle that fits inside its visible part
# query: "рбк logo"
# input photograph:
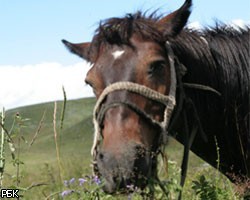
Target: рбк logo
(9, 193)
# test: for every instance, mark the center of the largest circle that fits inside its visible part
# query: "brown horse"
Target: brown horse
(132, 79)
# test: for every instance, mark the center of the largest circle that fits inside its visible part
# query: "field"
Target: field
(57, 166)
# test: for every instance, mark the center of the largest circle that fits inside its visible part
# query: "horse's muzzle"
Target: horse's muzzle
(129, 169)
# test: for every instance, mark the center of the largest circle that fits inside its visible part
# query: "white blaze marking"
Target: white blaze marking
(117, 54)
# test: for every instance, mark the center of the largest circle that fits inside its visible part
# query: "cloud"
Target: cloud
(194, 25)
(237, 23)
(31, 84)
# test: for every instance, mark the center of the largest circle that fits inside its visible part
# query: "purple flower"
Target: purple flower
(130, 187)
(96, 180)
(66, 183)
(66, 192)
(82, 181)
(71, 181)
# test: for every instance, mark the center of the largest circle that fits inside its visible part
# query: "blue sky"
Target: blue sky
(31, 30)
(33, 62)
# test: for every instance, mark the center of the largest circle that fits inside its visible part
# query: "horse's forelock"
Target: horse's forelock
(119, 30)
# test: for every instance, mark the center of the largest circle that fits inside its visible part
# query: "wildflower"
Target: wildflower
(82, 181)
(130, 187)
(66, 192)
(66, 183)
(96, 180)
(71, 181)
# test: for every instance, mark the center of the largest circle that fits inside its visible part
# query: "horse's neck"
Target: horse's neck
(206, 108)
(217, 114)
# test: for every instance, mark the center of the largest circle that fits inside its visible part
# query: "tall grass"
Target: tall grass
(56, 144)
(2, 143)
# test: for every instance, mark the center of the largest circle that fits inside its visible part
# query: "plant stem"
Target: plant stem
(2, 158)
(18, 156)
(64, 107)
(218, 161)
(38, 129)
(56, 143)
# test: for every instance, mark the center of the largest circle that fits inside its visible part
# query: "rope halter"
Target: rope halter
(167, 100)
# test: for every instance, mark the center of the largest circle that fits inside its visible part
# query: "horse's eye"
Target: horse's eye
(91, 85)
(88, 83)
(156, 67)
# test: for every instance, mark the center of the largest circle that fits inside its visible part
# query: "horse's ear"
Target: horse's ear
(80, 49)
(172, 24)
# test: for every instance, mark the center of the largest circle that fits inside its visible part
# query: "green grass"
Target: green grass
(40, 166)
(40, 162)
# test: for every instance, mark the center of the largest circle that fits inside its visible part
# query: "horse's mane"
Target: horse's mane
(219, 57)
(225, 52)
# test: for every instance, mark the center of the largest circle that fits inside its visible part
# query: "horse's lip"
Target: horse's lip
(109, 190)
(115, 186)
(124, 186)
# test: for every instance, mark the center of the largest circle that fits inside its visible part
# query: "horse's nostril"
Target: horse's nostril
(101, 156)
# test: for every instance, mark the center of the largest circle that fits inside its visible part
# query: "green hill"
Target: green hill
(76, 133)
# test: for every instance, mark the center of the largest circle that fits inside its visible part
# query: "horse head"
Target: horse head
(130, 50)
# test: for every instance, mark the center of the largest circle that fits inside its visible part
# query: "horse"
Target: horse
(153, 78)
